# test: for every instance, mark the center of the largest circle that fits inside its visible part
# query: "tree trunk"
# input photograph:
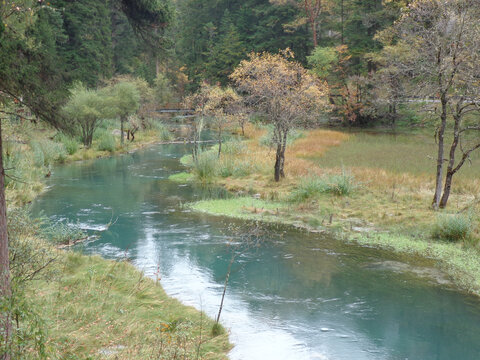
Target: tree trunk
(219, 142)
(280, 155)
(5, 289)
(227, 277)
(278, 162)
(314, 32)
(122, 120)
(441, 136)
(451, 162)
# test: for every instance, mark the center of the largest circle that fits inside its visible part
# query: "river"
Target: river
(298, 296)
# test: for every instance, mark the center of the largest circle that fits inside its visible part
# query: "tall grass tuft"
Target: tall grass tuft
(106, 142)
(205, 168)
(453, 228)
(47, 152)
(70, 144)
(309, 187)
(163, 132)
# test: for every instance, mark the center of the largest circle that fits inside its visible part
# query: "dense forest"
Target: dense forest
(356, 117)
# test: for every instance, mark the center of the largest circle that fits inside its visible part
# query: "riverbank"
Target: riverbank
(357, 186)
(95, 308)
(85, 306)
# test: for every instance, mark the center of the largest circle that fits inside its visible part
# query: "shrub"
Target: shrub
(452, 228)
(106, 142)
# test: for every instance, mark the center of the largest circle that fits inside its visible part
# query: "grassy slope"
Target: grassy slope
(98, 307)
(389, 208)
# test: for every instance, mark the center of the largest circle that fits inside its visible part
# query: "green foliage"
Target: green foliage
(322, 60)
(453, 228)
(106, 142)
(85, 108)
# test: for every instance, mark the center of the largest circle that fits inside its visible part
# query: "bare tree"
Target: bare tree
(441, 44)
(284, 92)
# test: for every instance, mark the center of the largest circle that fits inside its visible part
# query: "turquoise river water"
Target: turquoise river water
(299, 296)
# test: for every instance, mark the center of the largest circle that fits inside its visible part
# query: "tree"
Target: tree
(220, 107)
(124, 101)
(85, 107)
(284, 92)
(443, 42)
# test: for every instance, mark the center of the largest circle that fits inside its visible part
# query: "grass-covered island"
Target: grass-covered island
(368, 188)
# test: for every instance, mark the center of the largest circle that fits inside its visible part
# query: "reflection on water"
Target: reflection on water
(300, 296)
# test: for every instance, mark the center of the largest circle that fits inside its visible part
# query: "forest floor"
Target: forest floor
(89, 307)
(374, 189)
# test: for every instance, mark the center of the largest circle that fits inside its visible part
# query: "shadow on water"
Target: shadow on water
(298, 296)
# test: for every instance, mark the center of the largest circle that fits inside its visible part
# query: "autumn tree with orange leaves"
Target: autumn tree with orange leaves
(282, 91)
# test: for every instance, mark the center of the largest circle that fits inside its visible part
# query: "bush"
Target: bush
(233, 147)
(106, 142)
(452, 228)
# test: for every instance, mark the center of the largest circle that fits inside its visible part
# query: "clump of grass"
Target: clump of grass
(341, 185)
(205, 168)
(106, 142)
(70, 144)
(163, 133)
(217, 329)
(453, 228)
(309, 187)
(47, 152)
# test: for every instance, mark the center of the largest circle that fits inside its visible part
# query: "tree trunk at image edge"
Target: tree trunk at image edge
(5, 290)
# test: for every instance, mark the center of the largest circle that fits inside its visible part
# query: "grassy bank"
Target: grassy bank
(102, 309)
(71, 306)
(31, 151)
(373, 189)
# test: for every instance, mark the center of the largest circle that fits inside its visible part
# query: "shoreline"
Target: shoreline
(461, 266)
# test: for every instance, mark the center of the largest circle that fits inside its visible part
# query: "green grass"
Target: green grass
(98, 306)
(246, 208)
(405, 153)
(182, 177)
